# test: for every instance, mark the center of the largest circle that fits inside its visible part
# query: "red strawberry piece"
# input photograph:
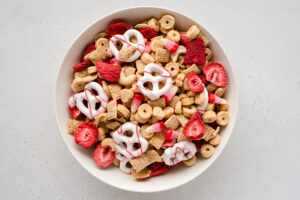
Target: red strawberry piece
(203, 79)
(211, 98)
(157, 168)
(114, 61)
(117, 28)
(74, 112)
(82, 66)
(89, 48)
(108, 72)
(195, 83)
(215, 73)
(99, 80)
(86, 134)
(198, 143)
(195, 53)
(147, 47)
(184, 40)
(103, 156)
(168, 143)
(161, 170)
(149, 33)
(194, 129)
(196, 115)
(156, 165)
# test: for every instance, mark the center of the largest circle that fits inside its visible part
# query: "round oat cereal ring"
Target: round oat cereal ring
(144, 133)
(208, 54)
(156, 44)
(102, 43)
(173, 35)
(144, 111)
(222, 118)
(173, 67)
(153, 23)
(167, 22)
(216, 140)
(189, 111)
(207, 150)
(191, 162)
(209, 117)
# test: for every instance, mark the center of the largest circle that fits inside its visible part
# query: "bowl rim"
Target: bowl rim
(232, 80)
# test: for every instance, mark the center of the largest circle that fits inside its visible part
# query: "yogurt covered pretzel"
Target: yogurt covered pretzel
(164, 75)
(123, 163)
(125, 40)
(180, 151)
(88, 94)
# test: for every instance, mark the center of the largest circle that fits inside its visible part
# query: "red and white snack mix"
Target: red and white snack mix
(148, 98)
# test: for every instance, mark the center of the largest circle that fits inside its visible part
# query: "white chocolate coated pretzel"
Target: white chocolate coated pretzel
(180, 151)
(163, 75)
(125, 144)
(123, 163)
(92, 99)
(201, 108)
(125, 40)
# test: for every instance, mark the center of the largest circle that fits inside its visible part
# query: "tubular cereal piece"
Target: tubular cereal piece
(191, 94)
(108, 142)
(124, 111)
(126, 95)
(153, 23)
(185, 84)
(112, 110)
(167, 22)
(174, 101)
(158, 113)
(174, 36)
(101, 133)
(153, 120)
(141, 26)
(222, 118)
(144, 160)
(113, 125)
(140, 66)
(172, 123)
(178, 83)
(178, 107)
(209, 132)
(182, 119)
(193, 32)
(200, 98)
(146, 58)
(220, 91)
(209, 117)
(173, 67)
(181, 50)
(180, 77)
(211, 87)
(162, 55)
(145, 134)
(72, 125)
(161, 102)
(223, 107)
(115, 91)
(105, 88)
(192, 69)
(191, 162)
(169, 111)
(144, 111)
(216, 140)
(189, 111)
(207, 150)
(210, 106)
(102, 118)
(205, 39)
(116, 162)
(156, 44)
(144, 173)
(157, 140)
(187, 101)
(208, 54)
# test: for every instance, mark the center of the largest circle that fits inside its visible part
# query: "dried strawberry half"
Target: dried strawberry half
(86, 134)
(82, 66)
(195, 83)
(88, 49)
(108, 72)
(74, 112)
(103, 156)
(198, 143)
(203, 79)
(196, 115)
(157, 168)
(215, 73)
(117, 28)
(168, 143)
(195, 53)
(149, 33)
(194, 128)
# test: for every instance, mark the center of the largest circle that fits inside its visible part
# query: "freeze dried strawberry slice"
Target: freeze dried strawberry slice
(168, 143)
(86, 134)
(108, 72)
(82, 66)
(184, 40)
(149, 33)
(117, 28)
(156, 165)
(203, 79)
(195, 53)
(103, 156)
(195, 83)
(196, 115)
(215, 73)
(89, 48)
(74, 112)
(194, 129)
(159, 171)
(198, 143)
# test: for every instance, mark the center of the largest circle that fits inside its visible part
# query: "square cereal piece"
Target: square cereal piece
(72, 125)
(172, 122)
(144, 173)
(115, 91)
(162, 55)
(182, 119)
(192, 69)
(112, 110)
(123, 111)
(102, 118)
(157, 140)
(145, 160)
(174, 101)
(209, 132)
(161, 102)
(129, 70)
(140, 66)
(113, 125)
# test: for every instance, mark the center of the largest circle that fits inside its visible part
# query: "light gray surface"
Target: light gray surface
(261, 160)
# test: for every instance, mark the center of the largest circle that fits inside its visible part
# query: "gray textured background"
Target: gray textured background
(261, 160)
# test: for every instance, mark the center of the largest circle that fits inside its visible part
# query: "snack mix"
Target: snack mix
(147, 97)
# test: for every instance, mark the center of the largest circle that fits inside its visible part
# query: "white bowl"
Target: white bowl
(179, 174)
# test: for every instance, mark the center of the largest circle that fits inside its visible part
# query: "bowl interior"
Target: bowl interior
(179, 174)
